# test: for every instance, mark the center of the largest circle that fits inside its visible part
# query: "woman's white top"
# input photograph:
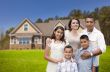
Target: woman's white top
(74, 41)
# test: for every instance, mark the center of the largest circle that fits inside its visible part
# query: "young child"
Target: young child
(54, 49)
(87, 65)
(68, 64)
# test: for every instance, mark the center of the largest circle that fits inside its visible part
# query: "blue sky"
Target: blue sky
(12, 12)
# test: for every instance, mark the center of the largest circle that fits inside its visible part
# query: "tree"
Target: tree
(4, 42)
(76, 14)
(9, 30)
(104, 19)
(39, 20)
(47, 20)
(95, 13)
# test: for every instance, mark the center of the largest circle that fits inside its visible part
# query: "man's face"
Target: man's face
(90, 23)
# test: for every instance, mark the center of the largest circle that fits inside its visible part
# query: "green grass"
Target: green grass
(22, 61)
(105, 61)
(33, 61)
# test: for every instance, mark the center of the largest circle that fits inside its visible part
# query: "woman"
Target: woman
(72, 35)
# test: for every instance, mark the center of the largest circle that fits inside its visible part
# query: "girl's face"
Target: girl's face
(58, 34)
(74, 24)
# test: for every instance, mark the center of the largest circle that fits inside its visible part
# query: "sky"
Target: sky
(12, 12)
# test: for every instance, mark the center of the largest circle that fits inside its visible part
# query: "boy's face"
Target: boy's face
(68, 53)
(84, 43)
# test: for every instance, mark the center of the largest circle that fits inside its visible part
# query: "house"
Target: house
(29, 35)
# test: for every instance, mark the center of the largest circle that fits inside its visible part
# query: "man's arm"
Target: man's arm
(97, 51)
(101, 45)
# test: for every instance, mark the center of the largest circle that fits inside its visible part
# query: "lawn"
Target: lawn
(22, 61)
(33, 61)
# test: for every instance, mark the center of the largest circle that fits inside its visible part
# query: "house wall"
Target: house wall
(30, 29)
(38, 46)
(20, 47)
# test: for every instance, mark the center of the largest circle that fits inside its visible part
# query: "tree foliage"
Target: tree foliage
(39, 20)
(4, 42)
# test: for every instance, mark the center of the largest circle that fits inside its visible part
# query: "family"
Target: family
(71, 51)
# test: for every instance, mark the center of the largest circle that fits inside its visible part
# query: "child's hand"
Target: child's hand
(60, 59)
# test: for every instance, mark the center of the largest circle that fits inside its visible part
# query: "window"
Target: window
(26, 27)
(38, 40)
(13, 41)
(24, 41)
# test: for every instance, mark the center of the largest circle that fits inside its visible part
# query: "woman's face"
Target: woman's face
(58, 34)
(74, 24)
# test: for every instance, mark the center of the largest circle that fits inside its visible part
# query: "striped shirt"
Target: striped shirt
(67, 66)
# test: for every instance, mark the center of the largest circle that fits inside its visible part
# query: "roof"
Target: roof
(47, 28)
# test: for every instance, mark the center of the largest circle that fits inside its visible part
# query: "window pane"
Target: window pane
(24, 41)
(26, 27)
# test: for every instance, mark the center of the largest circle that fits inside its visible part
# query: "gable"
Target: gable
(26, 27)
(30, 29)
(59, 24)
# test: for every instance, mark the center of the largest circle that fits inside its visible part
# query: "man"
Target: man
(97, 41)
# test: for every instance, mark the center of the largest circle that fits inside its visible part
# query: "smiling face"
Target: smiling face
(68, 52)
(74, 24)
(84, 43)
(90, 24)
(58, 34)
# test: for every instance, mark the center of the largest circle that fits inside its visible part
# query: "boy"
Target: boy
(87, 65)
(68, 64)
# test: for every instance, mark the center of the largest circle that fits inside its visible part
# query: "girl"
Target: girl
(54, 49)
(72, 35)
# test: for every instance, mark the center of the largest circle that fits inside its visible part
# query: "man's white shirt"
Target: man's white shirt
(96, 40)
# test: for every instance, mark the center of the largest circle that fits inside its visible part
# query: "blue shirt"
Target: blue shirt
(84, 65)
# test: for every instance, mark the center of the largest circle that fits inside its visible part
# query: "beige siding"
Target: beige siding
(30, 29)
(80, 29)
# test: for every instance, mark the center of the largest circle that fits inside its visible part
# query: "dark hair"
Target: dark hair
(84, 37)
(68, 46)
(69, 24)
(53, 35)
(90, 16)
